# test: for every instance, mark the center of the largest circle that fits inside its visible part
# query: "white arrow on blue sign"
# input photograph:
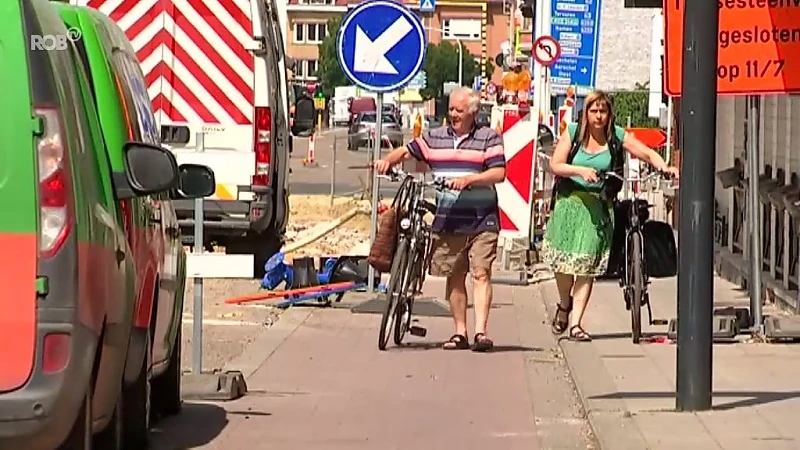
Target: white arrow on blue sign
(427, 5)
(381, 45)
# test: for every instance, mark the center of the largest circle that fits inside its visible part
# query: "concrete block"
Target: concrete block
(782, 328)
(724, 327)
(216, 386)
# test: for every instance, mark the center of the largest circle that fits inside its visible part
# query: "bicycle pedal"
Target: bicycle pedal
(659, 322)
(417, 331)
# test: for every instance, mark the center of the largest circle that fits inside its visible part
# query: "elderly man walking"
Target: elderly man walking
(466, 225)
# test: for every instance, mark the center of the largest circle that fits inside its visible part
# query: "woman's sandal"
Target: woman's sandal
(559, 326)
(456, 342)
(580, 336)
(482, 343)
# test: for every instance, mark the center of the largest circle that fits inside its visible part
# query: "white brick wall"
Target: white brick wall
(624, 53)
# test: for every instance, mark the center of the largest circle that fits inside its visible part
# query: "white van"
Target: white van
(216, 75)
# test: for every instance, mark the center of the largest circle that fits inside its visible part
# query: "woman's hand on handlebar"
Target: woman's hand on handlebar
(588, 174)
(671, 172)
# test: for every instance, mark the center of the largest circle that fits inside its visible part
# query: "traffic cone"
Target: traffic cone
(310, 160)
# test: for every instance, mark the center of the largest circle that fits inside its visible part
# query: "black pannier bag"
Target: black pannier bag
(660, 250)
(621, 221)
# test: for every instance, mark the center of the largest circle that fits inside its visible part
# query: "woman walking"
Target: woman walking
(577, 241)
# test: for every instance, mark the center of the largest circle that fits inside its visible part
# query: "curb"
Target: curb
(259, 351)
(612, 423)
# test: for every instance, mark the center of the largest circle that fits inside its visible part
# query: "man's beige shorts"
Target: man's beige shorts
(455, 254)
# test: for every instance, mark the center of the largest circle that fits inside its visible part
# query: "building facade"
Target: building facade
(483, 28)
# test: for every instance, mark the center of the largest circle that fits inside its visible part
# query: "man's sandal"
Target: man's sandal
(580, 336)
(482, 343)
(559, 326)
(456, 342)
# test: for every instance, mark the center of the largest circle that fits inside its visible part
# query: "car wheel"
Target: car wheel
(112, 436)
(80, 436)
(166, 392)
(136, 404)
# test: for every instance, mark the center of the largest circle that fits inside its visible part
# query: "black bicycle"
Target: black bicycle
(411, 257)
(633, 277)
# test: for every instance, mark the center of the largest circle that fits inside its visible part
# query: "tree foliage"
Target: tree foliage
(329, 72)
(441, 65)
(633, 104)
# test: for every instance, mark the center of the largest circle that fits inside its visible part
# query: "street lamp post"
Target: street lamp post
(460, 55)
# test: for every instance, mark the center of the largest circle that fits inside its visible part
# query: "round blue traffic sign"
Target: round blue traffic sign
(381, 45)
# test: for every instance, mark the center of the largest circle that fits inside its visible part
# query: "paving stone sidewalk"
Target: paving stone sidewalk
(628, 390)
(322, 383)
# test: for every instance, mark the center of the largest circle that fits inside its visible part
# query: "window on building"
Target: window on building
(316, 2)
(463, 29)
(309, 33)
(311, 68)
(306, 69)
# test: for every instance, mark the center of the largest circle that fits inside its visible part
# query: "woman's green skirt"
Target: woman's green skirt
(579, 233)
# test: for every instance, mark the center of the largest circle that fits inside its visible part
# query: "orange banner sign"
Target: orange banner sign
(759, 46)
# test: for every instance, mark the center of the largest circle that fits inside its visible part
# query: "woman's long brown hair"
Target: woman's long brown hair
(591, 99)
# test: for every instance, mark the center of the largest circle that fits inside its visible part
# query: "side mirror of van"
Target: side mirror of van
(149, 169)
(196, 181)
(304, 114)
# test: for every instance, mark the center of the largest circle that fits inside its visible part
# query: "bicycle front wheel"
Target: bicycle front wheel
(637, 286)
(406, 296)
(392, 295)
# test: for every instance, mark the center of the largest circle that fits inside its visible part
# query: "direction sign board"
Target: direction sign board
(419, 81)
(759, 47)
(381, 45)
(546, 50)
(576, 26)
(427, 5)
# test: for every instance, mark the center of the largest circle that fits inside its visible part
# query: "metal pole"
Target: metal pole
(754, 212)
(696, 226)
(197, 312)
(375, 185)
(460, 63)
(626, 192)
(669, 130)
(333, 169)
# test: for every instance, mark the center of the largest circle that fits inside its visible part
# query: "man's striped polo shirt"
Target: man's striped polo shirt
(473, 210)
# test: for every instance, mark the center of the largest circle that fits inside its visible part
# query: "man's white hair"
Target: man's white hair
(473, 99)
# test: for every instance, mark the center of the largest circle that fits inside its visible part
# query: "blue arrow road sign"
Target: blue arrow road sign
(381, 45)
(427, 5)
(576, 26)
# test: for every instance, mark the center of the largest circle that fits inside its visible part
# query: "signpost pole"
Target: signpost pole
(696, 232)
(376, 155)
(197, 311)
(754, 216)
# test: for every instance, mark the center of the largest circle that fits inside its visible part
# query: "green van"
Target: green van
(125, 114)
(68, 280)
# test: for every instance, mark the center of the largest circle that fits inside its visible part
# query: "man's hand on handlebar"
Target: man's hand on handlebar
(459, 184)
(382, 166)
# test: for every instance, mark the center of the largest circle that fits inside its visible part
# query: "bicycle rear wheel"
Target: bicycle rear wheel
(637, 286)
(399, 263)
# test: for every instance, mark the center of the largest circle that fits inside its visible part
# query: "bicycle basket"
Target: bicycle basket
(381, 252)
(382, 249)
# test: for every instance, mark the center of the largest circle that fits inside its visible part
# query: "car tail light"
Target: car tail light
(262, 146)
(55, 190)
(56, 352)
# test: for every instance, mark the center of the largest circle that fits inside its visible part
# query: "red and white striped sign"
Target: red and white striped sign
(193, 56)
(515, 194)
